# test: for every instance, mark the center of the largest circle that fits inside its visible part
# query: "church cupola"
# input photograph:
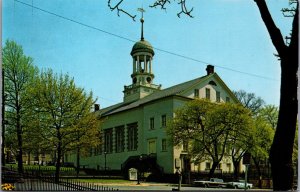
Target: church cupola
(142, 54)
(142, 74)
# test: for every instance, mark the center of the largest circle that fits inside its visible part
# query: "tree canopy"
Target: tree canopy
(64, 113)
(19, 74)
(210, 128)
(45, 112)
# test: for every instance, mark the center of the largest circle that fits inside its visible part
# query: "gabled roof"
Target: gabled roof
(174, 90)
(171, 91)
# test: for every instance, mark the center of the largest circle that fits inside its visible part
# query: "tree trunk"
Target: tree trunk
(213, 168)
(282, 147)
(20, 154)
(58, 164)
(62, 158)
(236, 170)
(20, 144)
(28, 158)
(58, 159)
(78, 161)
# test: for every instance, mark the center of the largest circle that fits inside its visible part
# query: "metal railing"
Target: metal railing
(33, 182)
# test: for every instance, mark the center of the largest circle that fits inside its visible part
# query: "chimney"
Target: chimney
(97, 107)
(210, 69)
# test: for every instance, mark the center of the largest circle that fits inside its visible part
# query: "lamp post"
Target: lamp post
(139, 169)
(3, 121)
(246, 162)
(178, 173)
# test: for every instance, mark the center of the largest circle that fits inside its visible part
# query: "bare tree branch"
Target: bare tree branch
(289, 12)
(274, 32)
(295, 30)
(117, 7)
(184, 9)
(182, 3)
(160, 3)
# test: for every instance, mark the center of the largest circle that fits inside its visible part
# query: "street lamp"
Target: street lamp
(178, 172)
(139, 169)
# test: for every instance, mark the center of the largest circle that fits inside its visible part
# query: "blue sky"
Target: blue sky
(225, 33)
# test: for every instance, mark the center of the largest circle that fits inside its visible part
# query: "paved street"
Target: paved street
(39, 185)
(169, 187)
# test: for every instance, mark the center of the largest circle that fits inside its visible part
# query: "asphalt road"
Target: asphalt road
(37, 186)
(169, 187)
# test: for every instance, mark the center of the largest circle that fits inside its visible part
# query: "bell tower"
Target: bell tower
(142, 74)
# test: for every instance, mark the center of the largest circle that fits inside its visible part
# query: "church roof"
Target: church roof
(171, 91)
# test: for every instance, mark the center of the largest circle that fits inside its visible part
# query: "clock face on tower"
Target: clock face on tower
(149, 79)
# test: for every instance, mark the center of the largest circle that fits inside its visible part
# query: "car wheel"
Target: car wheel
(236, 187)
(248, 187)
(205, 185)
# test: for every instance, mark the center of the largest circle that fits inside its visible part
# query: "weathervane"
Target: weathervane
(142, 21)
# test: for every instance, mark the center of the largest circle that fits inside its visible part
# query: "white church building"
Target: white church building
(134, 131)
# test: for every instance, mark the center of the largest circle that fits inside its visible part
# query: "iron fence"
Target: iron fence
(40, 182)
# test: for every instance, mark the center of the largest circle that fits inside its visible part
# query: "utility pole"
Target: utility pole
(3, 96)
(2, 119)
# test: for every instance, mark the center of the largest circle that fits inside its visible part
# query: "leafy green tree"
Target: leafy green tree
(189, 127)
(208, 127)
(237, 123)
(10, 143)
(282, 147)
(33, 141)
(270, 114)
(65, 114)
(84, 136)
(295, 151)
(263, 135)
(241, 136)
(19, 74)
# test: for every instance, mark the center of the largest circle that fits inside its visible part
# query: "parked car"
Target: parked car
(239, 185)
(213, 182)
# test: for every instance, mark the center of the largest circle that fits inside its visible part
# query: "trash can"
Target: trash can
(132, 172)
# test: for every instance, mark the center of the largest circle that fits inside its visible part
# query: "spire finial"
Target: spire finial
(142, 21)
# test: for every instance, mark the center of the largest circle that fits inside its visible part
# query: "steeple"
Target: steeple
(142, 74)
(142, 21)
